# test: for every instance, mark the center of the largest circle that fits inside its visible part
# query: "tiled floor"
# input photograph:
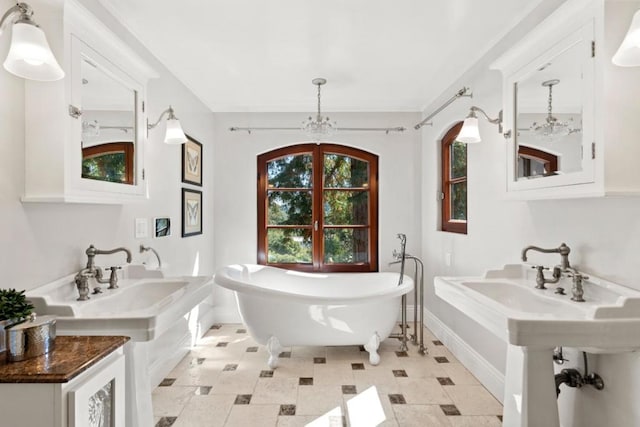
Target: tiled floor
(225, 381)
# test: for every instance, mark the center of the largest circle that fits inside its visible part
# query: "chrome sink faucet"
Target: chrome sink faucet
(577, 291)
(563, 250)
(91, 271)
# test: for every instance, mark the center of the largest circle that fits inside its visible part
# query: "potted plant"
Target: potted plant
(14, 308)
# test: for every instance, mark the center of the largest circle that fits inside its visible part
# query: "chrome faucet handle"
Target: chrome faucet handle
(540, 267)
(578, 274)
(82, 283)
(113, 278)
(540, 280)
(577, 291)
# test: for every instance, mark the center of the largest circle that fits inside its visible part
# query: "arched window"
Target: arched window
(112, 161)
(318, 208)
(454, 182)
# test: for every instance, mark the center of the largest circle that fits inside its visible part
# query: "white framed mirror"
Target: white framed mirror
(549, 91)
(548, 121)
(552, 116)
(108, 136)
(109, 128)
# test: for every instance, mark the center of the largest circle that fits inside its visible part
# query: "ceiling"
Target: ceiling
(377, 55)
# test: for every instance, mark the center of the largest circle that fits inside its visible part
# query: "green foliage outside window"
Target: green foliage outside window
(459, 190)
(345, 202)
(105, 167)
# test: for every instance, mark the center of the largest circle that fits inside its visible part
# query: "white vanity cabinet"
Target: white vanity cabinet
(79, 384)
(570, 115)
(85, 134)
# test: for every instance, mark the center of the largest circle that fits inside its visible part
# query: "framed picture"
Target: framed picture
(99, 400)
(161, 227)
(192, 162)
(191, 212)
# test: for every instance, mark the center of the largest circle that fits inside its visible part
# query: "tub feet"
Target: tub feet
(274, 348)
(372, 348)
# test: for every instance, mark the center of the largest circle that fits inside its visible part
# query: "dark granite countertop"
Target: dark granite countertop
(72, 356)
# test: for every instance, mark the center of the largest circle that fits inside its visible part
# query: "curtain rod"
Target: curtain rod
(462, 92)
(386, 130)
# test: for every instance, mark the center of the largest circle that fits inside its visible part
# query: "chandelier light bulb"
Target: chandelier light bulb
(321, 127)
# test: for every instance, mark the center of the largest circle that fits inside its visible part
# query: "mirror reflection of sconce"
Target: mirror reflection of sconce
(173, 133)
(29, 56)
(470, 133)
(628, 54)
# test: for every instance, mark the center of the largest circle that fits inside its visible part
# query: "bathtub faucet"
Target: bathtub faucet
(400, 256)
(91, 271)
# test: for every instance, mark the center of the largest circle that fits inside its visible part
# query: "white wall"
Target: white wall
(235, 173)
(42, 242)
(604, 235)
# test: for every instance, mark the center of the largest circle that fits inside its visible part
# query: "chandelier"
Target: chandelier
(551, 125)
(320, 127)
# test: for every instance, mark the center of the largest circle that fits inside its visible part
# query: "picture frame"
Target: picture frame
(162, 227)
(104, 389)
(191, 212)
(192, 162)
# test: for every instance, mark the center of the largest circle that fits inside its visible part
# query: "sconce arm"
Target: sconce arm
(23, 10)
(496, 121)
(168, 111)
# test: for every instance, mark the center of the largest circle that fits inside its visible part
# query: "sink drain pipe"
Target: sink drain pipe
(573, 378)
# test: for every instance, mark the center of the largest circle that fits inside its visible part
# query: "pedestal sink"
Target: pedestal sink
(533, 322)
(162, 315)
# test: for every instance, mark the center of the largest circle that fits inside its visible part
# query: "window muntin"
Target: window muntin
(331, 226)
(454, 182)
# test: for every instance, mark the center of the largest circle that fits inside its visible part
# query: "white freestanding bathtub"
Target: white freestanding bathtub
(284, 308)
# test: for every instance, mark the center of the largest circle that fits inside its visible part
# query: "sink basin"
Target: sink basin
(144, 306)
(534, 321)
(162, 315)
(506, 302)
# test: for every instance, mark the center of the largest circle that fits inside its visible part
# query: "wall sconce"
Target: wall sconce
(173, 133)
(469, 133)
(628, 54)
(29, 56)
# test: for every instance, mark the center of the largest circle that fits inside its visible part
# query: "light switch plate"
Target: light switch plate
(142, 228)
(448, 256)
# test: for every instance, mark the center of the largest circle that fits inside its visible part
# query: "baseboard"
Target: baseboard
(205, 321)
(490, 377)
(227, 315)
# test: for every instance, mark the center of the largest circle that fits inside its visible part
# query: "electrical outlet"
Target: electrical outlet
(142, 228)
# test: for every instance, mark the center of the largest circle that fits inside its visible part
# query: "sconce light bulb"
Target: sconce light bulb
(33, 61)
(174, 133)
